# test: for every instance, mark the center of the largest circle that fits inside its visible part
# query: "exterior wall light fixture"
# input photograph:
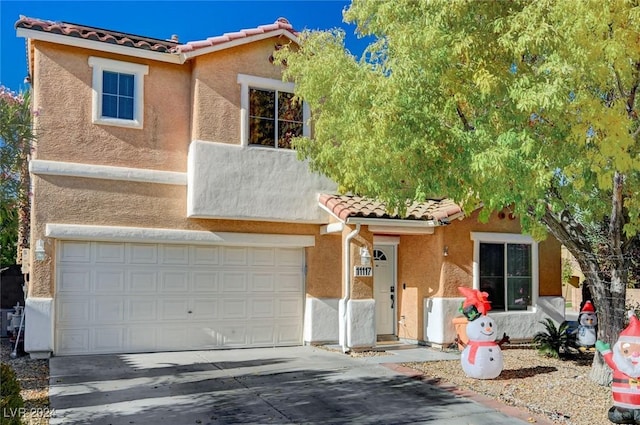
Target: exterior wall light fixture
(445, 251)
(365, 257)
(39, 251)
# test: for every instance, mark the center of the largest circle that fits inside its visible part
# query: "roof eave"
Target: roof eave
(239, 42)
(395, 222)
(66, 40)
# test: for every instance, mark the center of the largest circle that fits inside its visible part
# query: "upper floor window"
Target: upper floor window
(118, 92)
(506, 267)
(270, 115)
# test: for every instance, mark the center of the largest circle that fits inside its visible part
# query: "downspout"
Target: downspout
(347, 283)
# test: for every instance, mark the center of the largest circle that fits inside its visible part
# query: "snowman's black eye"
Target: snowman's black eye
(482, 324)
(490, 324)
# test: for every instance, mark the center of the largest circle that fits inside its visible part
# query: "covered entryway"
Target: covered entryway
(143, 297)
(384, 288)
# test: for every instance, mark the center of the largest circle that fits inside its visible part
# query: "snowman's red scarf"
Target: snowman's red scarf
(473, 348)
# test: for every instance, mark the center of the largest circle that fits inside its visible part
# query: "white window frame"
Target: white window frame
(139, 71)
(250, 81)
(509, 238)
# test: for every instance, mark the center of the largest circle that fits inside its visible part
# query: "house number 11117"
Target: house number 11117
(363, 271)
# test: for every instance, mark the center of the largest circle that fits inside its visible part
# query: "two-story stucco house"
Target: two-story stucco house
(170, 213)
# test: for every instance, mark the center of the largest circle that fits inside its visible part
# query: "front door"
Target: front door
(384, 288)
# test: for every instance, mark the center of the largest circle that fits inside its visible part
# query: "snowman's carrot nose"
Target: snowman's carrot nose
(488, 328)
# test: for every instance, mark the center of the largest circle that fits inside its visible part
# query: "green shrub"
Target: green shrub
(553, 341)
(10, 399)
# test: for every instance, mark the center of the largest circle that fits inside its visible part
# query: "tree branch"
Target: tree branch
(632, 94)
(463, 118)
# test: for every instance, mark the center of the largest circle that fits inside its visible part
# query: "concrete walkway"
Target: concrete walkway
(296, 385)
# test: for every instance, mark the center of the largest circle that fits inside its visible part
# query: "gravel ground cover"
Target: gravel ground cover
(559, 390)
(33, 376)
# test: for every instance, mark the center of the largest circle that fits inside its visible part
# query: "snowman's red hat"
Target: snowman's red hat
(588, 308)
(632, 332)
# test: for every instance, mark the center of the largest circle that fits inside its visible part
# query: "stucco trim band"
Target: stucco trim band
(106, 172)
(174, 236)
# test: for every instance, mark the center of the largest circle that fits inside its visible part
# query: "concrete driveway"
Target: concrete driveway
(297, 385)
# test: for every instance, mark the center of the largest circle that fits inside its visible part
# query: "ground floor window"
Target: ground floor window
(505, 266)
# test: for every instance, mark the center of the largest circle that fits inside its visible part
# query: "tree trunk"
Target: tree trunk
(605, 267)
(24, 201)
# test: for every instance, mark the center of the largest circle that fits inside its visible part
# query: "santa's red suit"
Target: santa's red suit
(625, 387)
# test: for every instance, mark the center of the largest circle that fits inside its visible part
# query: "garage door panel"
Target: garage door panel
(73, 341)
(289, 257)
(234, 256)
(142, 281)
(261, 335)
(234, 308)
(174, 254)
(108, 309)
(206, 308)
(174, 309)
(288, 333)
(74, 279)
(233, 335)
(109, 253)
(234, 281)
(206, 255)
(72, 310)
(289, 308)
(108, 339)
(141, 309)
(263, 257)
(108, 280)
(143, 253)
(173, 338)
(203, 337)
(174, 281)
(263, 309)
(206, 281)
(75, 252)
(141, 338)
(263, 282)
(289, 282)
(132, 297)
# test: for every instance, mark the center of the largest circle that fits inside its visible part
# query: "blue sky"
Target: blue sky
(190, 20)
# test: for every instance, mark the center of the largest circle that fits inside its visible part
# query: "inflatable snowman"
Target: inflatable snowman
(587, 332)
(482, 356)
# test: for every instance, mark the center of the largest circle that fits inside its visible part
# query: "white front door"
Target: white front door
(384, 288)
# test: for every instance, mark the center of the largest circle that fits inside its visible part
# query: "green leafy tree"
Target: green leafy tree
(529, 105)
(16, 137)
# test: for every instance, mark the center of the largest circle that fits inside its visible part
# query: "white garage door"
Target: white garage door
(133, 297)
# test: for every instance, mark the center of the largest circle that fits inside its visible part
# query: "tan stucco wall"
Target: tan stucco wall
(63, 95)
(216, 106)
(426, 272)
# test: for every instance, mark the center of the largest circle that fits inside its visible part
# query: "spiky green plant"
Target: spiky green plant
(553, 340)
(10, 401)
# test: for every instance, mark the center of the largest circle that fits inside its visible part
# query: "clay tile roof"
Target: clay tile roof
(348, 206)
(279, 24)
(146, 43)
(97, 34)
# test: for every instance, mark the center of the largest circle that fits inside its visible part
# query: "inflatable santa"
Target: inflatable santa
(482, 356)
(624, 360)
(587, 332)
